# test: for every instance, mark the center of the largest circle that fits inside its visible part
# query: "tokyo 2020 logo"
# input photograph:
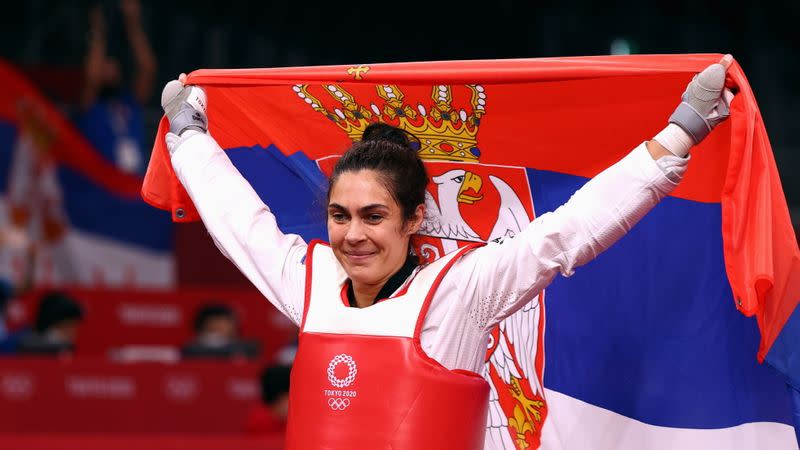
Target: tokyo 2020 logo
(352, 370)
(340, 398)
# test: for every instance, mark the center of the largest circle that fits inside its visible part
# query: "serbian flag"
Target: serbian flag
(650, 346)
(69, 216)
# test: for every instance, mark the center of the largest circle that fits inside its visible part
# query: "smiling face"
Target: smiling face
(368, 231)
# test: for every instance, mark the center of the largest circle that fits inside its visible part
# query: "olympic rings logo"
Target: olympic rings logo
(351, 372)
(338, 404)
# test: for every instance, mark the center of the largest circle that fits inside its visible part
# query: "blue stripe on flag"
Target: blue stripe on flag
(293, 187)
(649, 329)
(94, 210)
(784, 355)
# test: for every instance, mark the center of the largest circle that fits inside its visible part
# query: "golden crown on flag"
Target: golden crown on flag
(444, 132)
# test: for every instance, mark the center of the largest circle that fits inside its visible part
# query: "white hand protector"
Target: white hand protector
(185, 107)
(704, 103)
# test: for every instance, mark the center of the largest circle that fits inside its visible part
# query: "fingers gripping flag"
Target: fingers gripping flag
(646, 348)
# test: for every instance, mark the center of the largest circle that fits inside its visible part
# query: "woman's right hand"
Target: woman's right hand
(184, 106)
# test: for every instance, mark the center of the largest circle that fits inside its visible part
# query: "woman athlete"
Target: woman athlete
(389, 350)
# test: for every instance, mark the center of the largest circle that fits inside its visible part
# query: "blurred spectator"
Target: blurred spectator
(269, 416)
(217, 335)
(111, 111)
(56, 326)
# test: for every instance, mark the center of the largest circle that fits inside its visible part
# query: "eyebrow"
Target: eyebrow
(361, 210)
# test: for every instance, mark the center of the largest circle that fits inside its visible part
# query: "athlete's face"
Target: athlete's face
(366, 227)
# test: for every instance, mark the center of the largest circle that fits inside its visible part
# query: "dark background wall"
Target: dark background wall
(43, 35)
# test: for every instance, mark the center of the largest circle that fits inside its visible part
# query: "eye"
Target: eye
(374, 218)
(459, 179)
(338, 217)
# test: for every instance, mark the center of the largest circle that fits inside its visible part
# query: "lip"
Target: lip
(359, 257)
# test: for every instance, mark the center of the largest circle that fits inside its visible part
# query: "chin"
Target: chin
(361, 274)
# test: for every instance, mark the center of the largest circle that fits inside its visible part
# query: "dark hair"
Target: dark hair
(211, 311)
(55, 308)
(392, 153)
(274, 382)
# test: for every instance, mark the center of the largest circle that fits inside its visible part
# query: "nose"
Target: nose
(355, 232)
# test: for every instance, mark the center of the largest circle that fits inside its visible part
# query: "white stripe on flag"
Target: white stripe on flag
(89, 260)
(573, 424)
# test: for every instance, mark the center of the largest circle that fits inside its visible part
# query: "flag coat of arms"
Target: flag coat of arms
(648, 346)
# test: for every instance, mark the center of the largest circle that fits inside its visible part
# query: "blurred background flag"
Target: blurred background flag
(645, 346)
(68, 216)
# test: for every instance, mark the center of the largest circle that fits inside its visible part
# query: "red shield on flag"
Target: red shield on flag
(468, 202)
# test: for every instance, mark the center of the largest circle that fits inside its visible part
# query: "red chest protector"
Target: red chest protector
(361, 380)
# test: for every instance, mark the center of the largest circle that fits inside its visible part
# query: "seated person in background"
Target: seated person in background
(269, 416)
(217, 335)
(56, 326)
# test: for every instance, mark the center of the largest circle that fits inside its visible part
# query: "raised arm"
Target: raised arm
(501, 278)
(95, 66)
(142, 51)
(241, 225)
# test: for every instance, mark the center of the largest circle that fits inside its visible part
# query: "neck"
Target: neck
(365, 293)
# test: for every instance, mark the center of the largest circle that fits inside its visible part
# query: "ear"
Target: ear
(415, 222)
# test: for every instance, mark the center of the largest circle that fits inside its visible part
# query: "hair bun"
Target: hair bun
(379, 131)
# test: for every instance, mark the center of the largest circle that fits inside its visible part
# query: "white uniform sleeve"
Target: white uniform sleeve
(241, 225)
(498, 279)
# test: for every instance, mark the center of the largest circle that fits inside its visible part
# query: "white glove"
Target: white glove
(704, 105)
(184, 106)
